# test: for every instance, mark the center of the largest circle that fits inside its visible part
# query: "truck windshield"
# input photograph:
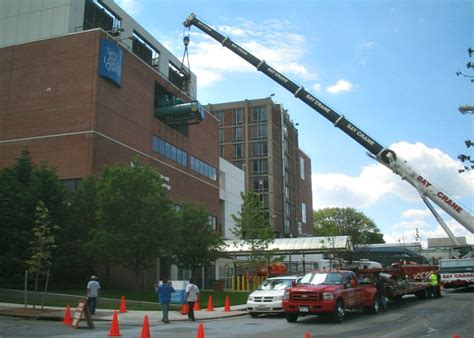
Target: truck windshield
(322, 278)
(275, 284)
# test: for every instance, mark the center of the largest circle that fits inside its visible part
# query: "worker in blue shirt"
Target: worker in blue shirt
(164, 293)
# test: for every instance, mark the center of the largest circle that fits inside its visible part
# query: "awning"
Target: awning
(299, 245)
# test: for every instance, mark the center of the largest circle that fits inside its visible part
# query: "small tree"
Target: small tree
(252, 227)
(42, 245)
(198, 243)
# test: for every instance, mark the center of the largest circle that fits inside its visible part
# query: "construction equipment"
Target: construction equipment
(429, 192)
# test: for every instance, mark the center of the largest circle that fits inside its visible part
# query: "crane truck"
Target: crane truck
(427, 189)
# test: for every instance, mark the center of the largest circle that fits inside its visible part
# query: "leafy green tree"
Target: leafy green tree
(346, 222)
(75, 259)
(23, 185)
(198, 243)
(253, 228)
(136, 221)
(42, 244)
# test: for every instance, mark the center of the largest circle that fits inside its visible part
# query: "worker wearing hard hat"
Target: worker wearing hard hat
(433, 279)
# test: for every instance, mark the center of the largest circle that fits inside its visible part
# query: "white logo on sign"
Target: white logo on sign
(111, 61)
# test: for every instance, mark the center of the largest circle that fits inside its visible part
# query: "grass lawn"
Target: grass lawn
(135, 300)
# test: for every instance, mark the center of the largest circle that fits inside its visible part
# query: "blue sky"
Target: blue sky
(388, 66)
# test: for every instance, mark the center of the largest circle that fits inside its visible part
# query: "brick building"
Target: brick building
(82, 86)
(259, 137)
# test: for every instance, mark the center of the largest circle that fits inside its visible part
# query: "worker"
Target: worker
(434, 284)
(381, 294)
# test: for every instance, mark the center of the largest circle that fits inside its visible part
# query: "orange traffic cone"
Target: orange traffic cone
(210, 306)
(200, 333)
(307, 335)
(145, 328)
(67, 316)
(184, 309)
(123, 306)
(227, 304)
(197, 306)
(114, 328)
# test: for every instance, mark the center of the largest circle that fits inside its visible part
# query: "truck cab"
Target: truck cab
(328, 292)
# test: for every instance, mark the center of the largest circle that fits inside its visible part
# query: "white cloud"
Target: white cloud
(132, 7)
(340, 86)
(273, 41)
(416, 213)
(375, 181)
(317, 87)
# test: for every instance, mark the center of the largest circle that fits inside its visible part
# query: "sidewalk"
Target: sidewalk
(130, 317)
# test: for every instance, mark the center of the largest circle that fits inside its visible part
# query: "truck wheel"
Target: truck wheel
(338, 314)
(253, 314)
(422, 294)
(374, 308)
(291, 317)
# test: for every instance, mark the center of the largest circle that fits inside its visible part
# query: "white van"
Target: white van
(269, 295)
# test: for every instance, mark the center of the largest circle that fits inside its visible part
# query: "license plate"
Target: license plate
(304, 309)
(262, 308)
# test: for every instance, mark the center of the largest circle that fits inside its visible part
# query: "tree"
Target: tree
(23, 186)
(198, 243)
(136, 220)
(75, 258)
(253, 228)
(42, 245)
(346, 222)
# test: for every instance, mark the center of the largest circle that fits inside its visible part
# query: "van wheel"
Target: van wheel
(291, 317)
(338, 314)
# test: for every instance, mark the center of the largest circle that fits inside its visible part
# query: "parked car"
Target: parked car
(268, 296)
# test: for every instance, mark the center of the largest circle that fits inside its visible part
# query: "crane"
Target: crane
(428, 190)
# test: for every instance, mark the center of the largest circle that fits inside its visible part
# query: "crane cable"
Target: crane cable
(186, 53)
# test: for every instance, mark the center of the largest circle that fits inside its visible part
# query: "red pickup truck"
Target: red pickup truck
(328, 292)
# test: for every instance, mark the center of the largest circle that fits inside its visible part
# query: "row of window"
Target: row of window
(170, 151)
(178, 155)
(258, 114)
(203, 168)
(259, 149)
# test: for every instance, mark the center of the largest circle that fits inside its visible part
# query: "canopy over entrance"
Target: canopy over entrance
(302, 245)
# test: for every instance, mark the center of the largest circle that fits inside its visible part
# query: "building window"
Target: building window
(287, 193)
(170, 151)
(221, 151)
(302, 168)
(72, 184)
(260, 184)
(203, 168)
(213, 222)
(264, 200)
(259, 132)
(237, 116)
(260, 166)
(260, 149)
(303, 213)
(238, 133)
(220, 116)
(238, 150)
(238, 164)
(221, 136)
(144, 50)
(259, 114)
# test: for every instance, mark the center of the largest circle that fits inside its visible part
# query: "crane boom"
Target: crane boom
(387, 157)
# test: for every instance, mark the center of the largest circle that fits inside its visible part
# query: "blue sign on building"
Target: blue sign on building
(110, 61)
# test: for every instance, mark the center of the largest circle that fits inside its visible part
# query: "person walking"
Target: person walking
(93, 287)
(192, 292)
(381, 293)
(164, 293)
(434, 284)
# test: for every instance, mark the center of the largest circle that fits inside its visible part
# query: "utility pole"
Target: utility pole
(468, 164)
